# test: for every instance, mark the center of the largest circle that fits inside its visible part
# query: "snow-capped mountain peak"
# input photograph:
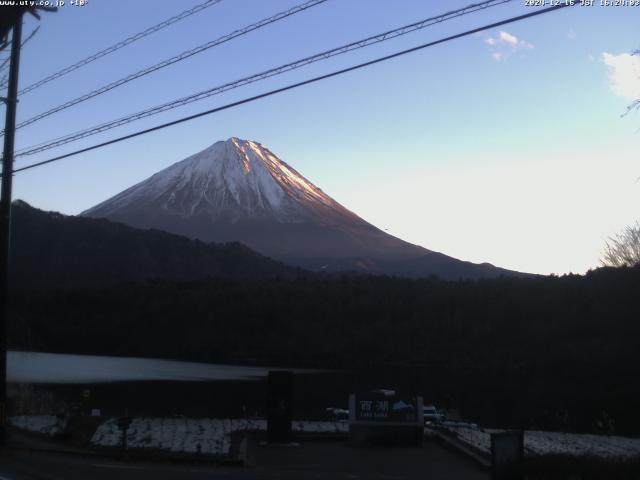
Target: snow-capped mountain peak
(233, 178)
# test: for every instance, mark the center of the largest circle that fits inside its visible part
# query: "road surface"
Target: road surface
(308, 461)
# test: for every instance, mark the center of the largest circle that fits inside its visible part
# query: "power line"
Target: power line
(184, 55)
(49, 144)
(121, 44)
(298, 84)
(5, 63)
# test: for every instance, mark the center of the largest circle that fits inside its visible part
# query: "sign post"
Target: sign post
(507, 455)
(279, 406)
(123, 425)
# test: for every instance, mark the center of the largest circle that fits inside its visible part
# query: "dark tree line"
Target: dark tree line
(548, 352)
(51, 249)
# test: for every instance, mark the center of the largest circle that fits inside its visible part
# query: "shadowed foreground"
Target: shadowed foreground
(309, 461)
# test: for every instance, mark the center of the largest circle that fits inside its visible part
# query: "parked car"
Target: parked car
(384, 391)
(431, 415)
(337, 413)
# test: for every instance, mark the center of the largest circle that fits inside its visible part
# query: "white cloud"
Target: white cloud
(505, 45)
(624, 74)
(508, 38)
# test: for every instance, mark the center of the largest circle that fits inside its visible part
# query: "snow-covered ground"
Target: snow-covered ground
(210, 436)
(538, 443)
(545, 443)
(45, 424)
(31, 367)
(207, 436)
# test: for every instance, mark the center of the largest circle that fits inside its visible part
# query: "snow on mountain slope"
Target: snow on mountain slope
(238, 179)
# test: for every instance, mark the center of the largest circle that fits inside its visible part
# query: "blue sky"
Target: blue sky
(505, 146)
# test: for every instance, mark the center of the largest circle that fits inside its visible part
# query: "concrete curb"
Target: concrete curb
(451, 441)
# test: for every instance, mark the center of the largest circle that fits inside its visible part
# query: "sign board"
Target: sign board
(372, 408)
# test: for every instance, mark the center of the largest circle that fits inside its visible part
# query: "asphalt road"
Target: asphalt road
(308, 461)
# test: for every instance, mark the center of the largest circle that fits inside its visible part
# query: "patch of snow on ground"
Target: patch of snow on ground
(44, 424)
(207, 436)
(538, 443)
(320, 427)
(544, 443)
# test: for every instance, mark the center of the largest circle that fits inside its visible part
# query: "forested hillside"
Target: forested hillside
(525, 351)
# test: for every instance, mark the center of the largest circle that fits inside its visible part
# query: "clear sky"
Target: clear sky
(505, 146)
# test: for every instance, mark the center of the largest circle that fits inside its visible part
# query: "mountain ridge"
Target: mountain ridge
(52, 250)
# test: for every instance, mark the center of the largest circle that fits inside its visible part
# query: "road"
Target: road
(308, 461)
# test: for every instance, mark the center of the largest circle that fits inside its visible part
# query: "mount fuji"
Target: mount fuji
(238, 190)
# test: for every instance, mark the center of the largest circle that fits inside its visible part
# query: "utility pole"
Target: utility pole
(11, 19)
(5, 210)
